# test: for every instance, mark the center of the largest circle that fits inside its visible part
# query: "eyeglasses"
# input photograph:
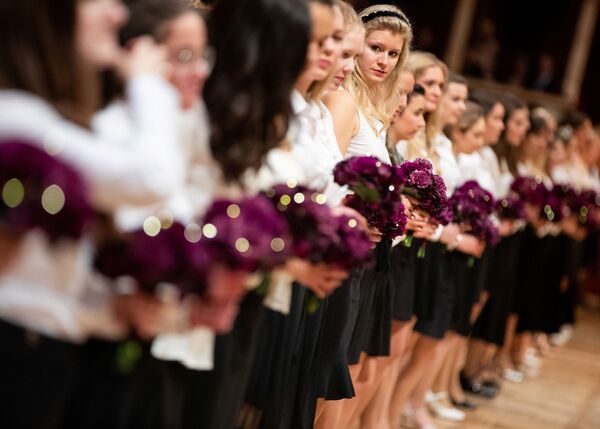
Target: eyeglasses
(189, 57)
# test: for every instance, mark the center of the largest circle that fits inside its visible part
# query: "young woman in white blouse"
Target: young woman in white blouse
(467, 136)
(47, 97)
(182, 31)
(360, 116)
(497, 321)
(433, 299)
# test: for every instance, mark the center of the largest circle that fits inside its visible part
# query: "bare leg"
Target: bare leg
(376, 414)
(454, 386)
(422, 357)
(331, 415)
(504, 354)
(434, 367)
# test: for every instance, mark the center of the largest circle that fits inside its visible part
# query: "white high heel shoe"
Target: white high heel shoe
(410, 419)
(434, 402)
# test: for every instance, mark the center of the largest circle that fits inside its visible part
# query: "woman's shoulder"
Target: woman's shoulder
(340, 102)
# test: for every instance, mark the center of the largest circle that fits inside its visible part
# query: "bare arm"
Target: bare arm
(345, 117)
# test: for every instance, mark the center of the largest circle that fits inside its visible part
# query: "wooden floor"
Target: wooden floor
(566, 395)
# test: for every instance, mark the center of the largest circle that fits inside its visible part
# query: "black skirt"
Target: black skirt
(369, 331)
(402, 278)
(500, 276)
(574, 260)
(535, 287)
(38, 377)
(212, 399)
(465, 273)
(338, 323)
(438, 281)
(427, 279)
(283, 388)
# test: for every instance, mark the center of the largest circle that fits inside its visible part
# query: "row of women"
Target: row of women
(163, 106)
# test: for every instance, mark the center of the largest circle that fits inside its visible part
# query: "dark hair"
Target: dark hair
(504, 150)
(538, 125)
(473, 113)
(454, 77)
(575, 119)
(149, 17)
(38, 54)
(417, 90)
(261, 50)
(485, 99)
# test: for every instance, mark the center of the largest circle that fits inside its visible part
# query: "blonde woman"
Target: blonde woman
(360, 115)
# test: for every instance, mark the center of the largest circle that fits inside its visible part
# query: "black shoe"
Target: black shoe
(465, 405)
(488, 390)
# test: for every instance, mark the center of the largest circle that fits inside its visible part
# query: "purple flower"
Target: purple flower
(248, 234)
(41, 191)
(352, 247)
(317, 235)
(168, 257)
(472, 206)
(429, 189)
(530, 190)
(511, 208)
(377, 189)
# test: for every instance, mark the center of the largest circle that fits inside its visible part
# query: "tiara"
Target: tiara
(381, 13)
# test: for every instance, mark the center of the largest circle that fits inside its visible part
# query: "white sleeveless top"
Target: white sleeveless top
(447, 163)
(367, 141)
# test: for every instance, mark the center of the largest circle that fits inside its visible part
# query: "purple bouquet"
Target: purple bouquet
(318, 235)
(40, 191)
(581, 204)
(511, 208)
(429, 189)
(472, 206)
(589, 213)
(530, 190)
(377, 189)
(353, 246)
(168, 257)
(246, 235)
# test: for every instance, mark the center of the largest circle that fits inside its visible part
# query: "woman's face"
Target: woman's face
(432, 80)
(471, 140)
(454, 103)
(407, 83)
(536, 143)
(494, 124)
(407, 123)
(191, 61)
(380, 56)
(517, 126)
(96, 30)
(353, 44)
(557, 154)
(322, 47)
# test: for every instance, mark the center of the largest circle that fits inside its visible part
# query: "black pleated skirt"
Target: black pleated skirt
(212, 399)
(339, 319)
(436, 279)
(283, 387)
(372, 330)
(500, 276)
(402, 278)
(465, 273)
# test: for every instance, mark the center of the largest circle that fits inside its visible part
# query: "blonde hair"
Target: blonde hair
(381, 104)
(351, 19)
(418, 63)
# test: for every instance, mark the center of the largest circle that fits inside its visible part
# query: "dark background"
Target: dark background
(525, 30)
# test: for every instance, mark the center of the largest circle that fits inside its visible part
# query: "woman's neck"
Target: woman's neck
(303, 85)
